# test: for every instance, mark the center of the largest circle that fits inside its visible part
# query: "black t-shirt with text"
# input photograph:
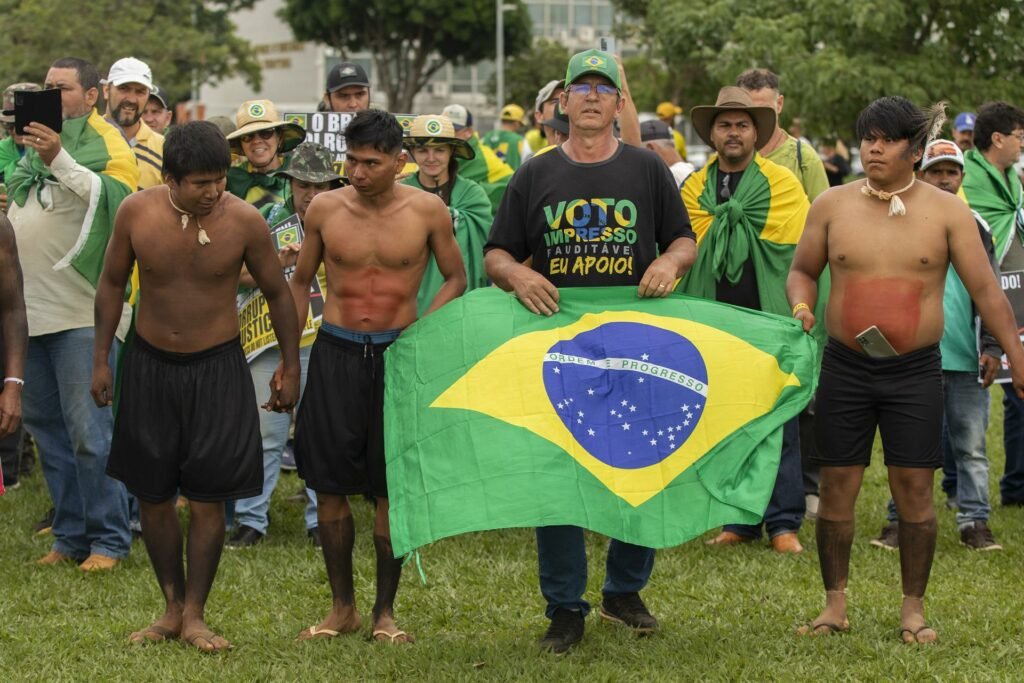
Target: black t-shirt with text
(598, 224)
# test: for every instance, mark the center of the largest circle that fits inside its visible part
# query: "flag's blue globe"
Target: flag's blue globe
(629, 393)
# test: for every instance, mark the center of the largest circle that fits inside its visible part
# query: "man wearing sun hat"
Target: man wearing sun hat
(261, 138)
(744, 257)
(507, 143)
(126, 90)
(436, 150)
(668, 112)
(591, 163)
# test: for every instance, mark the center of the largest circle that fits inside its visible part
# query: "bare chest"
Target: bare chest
(874, 242)
(169, 252)
(394, 244)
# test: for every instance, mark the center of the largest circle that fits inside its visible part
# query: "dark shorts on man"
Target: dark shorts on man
(901, 397)
(188, 422)
(339, 431)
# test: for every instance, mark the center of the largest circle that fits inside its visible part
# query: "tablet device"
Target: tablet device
(42, 107)
(875, 344)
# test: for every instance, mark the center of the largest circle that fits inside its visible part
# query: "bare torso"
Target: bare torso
(187, 300)
(374, 257)
(886, 270)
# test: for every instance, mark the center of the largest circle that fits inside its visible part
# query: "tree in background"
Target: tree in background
(179, 39)
(410, 40)
(529, 71)
(835, 56)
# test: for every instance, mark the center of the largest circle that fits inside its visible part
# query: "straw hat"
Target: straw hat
(731, 98)
(256, 115)
(431, 129)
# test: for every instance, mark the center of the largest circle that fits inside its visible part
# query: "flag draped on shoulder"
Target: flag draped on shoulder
(761, 222)
(648, 420)
(99, 147)
(996, 196)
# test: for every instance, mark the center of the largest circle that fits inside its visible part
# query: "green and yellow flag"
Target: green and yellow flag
(648, 420)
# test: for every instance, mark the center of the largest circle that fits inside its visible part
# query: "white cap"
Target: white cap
(942, 150)
(130, 70)
(459, 116)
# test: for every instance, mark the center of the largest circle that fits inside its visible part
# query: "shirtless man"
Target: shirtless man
(187, 417)
(888, 241)
(375, 239)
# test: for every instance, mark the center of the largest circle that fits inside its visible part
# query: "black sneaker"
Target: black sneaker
(244, 537)
(977, 536)
(43, 526)
(566, 630)
(889, 539)
(314, 537)
(629, 610)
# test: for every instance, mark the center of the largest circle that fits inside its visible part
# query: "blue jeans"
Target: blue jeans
(252, 512)
(73, 437)
(562, 556)
(963, 443)
(1011, 486)
(785, 512)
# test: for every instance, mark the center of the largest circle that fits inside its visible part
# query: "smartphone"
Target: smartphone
(607, 44)
(875, 344)
(42, 106)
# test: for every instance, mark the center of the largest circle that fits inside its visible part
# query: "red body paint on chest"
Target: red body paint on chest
(893, 304)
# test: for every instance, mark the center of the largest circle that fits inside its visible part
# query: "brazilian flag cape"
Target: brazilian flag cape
(471, 219)
(762, 222)
(486, 170)
(996, 196)
(98, 146)
(648, 420)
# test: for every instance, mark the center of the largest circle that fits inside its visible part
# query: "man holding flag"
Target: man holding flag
(748, 214)
(640, 205)
(63, 196)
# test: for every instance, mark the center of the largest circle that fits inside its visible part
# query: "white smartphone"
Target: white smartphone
(875, 344)
(607, 44)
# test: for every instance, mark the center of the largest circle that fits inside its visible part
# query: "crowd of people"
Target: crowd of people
(129, 243)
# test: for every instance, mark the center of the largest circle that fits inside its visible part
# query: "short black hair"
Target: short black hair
(196, 147)
(758, 79)
(995, 117)
(375, 128)
(897, 118)
(88, 76)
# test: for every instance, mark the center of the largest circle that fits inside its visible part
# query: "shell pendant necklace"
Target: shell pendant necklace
(896, 206)
(203, 238)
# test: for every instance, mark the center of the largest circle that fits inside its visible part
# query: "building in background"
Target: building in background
(294, 72)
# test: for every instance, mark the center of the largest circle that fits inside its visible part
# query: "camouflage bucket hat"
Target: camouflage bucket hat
(309, 162)
(8, 99)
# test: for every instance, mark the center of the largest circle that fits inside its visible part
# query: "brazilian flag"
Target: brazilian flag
(648, 420)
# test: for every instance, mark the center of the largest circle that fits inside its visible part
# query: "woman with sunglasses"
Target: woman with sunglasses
(261, 139)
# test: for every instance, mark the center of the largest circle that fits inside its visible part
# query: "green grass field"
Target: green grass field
(726, 613)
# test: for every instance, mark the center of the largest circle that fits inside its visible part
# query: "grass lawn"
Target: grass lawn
(726, 613)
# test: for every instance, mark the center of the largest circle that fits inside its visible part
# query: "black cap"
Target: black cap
(346, 74)
(560, 121)
(654, 130)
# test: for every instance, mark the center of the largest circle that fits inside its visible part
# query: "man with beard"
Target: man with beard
(127, 89)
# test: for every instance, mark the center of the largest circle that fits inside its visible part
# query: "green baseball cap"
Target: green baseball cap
(593, 62)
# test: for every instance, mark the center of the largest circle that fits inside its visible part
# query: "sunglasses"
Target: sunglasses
(261, 134)
(587, 88)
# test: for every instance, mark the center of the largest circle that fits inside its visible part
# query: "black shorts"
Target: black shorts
(900, 396)
(188, 422)
(339, 431)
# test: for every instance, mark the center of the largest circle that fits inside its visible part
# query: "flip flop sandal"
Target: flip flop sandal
(811, 629)
(315, 632)
(913, 635)
(144, 636)
(392, 638)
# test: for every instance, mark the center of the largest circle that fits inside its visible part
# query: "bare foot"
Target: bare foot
(831, 620)
(913, 628)
(198, 635)
(386, 631)
(342, 620)
(167, 627)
